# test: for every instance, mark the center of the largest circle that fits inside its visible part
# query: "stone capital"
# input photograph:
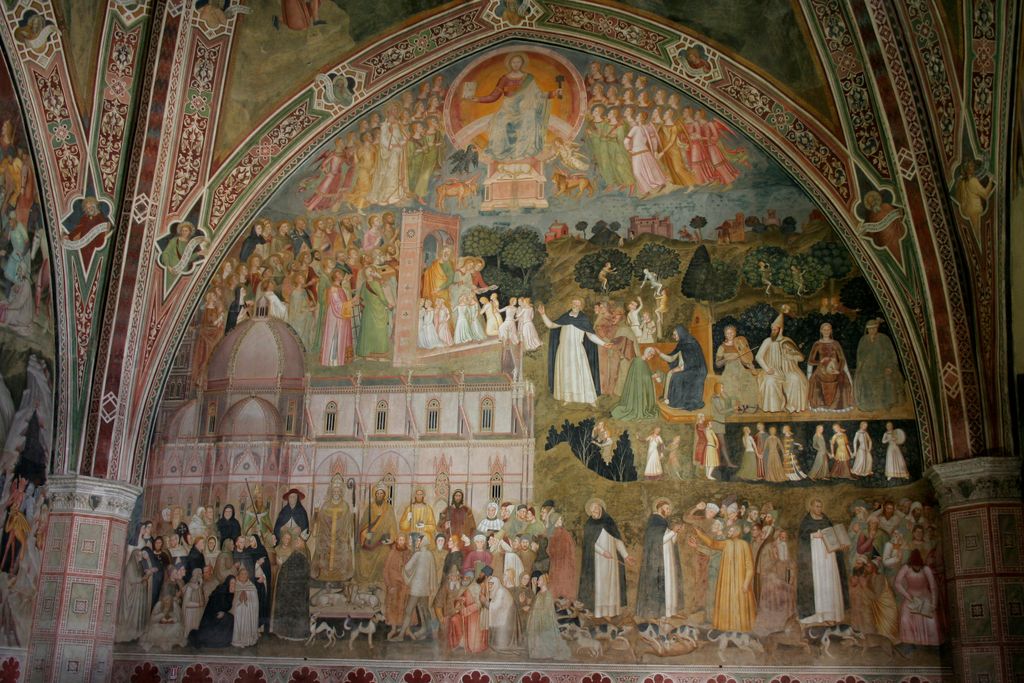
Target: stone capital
(976, 480)
(72, 493)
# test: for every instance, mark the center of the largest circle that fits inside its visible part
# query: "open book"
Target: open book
(921, 606)
(835, 538)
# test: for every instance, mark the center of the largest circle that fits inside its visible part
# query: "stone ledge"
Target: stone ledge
(976, 480)
(87, 495)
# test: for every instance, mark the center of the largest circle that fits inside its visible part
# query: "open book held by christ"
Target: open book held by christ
(835, 538)
(469, 89)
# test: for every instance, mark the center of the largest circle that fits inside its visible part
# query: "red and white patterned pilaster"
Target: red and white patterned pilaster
(983, 524)
(76, 604)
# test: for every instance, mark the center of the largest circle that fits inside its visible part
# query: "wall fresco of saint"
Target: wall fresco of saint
(540, 359)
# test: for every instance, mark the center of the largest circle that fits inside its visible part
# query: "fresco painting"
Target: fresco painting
(538, 360)
(26, 373)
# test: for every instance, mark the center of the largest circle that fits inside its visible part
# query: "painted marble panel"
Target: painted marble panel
(539, 360)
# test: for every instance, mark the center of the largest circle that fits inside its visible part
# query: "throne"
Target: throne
(514, 185)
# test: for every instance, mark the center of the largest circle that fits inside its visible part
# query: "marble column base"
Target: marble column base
(76, 604)
(983, 527)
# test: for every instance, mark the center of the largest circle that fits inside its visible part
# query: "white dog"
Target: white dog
(316, 628)
(742, 641)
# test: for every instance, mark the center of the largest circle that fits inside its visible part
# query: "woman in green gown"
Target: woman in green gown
(620, 169)
(638, 400)
(373, 332)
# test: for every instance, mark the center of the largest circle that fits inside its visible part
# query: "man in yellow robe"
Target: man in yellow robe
(332, 530)
(735, 606)
(376, 534)
(418, 519)
(439, 277)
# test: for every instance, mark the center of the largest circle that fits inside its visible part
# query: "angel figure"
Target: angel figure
(568, 152)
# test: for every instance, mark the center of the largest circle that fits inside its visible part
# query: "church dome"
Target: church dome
(183, 423)
(251, 416)
(258, 352)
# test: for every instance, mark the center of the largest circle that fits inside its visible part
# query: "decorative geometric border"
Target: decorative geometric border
(258, 670)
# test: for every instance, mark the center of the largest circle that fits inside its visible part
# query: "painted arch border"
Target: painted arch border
(278, 164)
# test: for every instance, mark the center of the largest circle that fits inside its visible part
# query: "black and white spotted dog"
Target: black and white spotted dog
(367, 626)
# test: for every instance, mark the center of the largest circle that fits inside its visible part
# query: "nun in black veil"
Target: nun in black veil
(228, 527)
(684, 383)
(218, 624)
(262, 578)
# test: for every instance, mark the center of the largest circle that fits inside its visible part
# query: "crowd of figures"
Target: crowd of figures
(334, 281)
(642, 140)
(769, 379)
(515, 580)
(23, 514)
(24, 255)
(771, 455)
(473, 321)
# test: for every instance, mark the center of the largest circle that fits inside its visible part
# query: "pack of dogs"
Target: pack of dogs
(352, 627)
(593, 637)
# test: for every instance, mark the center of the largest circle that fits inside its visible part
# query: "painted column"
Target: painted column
(79, 581)
(984, 565)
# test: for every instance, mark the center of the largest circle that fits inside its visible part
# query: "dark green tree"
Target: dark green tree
(802, 275)
(857, 295)
(589, 268)
(834, 258)
(757, 323)
(657, 258)
(698, 223)
(709, 281)
(523, 252)
(774, 260)
(483, 241)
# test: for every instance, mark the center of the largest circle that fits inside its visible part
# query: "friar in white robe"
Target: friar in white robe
(824, 597)
(603, 575)
(246, 609)
(783, 386)
(573, 373)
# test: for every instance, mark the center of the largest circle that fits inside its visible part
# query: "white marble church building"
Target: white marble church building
(271, 423)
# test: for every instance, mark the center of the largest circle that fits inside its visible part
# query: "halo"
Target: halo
(521, 55)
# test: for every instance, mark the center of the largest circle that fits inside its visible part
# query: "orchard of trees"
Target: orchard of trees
(778, 272)
(512, 256)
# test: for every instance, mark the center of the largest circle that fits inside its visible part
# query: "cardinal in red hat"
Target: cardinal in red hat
(293, 515)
